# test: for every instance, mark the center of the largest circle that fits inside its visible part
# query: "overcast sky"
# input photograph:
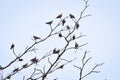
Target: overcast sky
(21, 19)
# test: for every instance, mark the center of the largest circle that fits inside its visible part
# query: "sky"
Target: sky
(21, 19)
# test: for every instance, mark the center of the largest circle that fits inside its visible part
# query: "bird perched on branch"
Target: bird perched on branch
(63, 22)
(56, 51)
(16, 70)
(76, 45)
(61, 67)
(34, 60)
(36, 37)
(71, 16)
(49, 23)
(59, 16)
(73, 37)
(77, 25)
(60, 35)
(68, 27)
(12, 46)
(25, 65)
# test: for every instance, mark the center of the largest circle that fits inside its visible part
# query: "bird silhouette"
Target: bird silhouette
(68, 27)
(12, 46)
(59, 16)
(50, 22)
(61, 67)
(25, 65)
(36, 37)
(56, 51)
(20, 59)
(9, 76)
(60, 35)
(16, 69)
(34, 60)
(71, 16)
(76, 45)
(63, 22)
(73, 37)
(77, 25)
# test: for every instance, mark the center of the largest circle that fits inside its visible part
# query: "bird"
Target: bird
(9, 76)
(34, 60)
(73, 37)
(25, 65)
(68, 27)
(71, 16)
(36, 37)
(60, 35)
(50, 22)
(20, 59)
(63, 22)
(77, 25)
(56, 51)
(16, 70)
(12, 46)
(59, 16)
(76, 45)
(61, 67)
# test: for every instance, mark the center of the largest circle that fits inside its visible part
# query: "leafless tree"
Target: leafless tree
(69, 34)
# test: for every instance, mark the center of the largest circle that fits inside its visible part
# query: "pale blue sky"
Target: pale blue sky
(20, 19)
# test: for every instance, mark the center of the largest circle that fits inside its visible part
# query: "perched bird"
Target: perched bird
(71, 16)
(8, 77)
(16, 70)
(73, 37)
(20, 59)
(36, 37)
(50, 22)
(68, 27)
(25, 65)
(12, 46)
(56, 51)
(63, 22)
(77, 25)
(76, 45)
(60, 35)
(61, 67)
(34, 60)
(59, 16)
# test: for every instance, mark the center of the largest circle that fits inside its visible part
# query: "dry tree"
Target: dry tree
(68, 34)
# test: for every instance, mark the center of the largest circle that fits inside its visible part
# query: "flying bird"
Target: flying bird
(59, 16)
(76, 45)
(50, 22)
(12, 46)
(71, 16)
